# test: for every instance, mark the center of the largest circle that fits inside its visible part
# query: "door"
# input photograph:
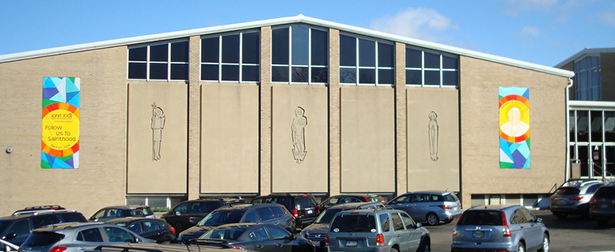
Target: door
(261, 241)
(420, 206)
(401, 234)
(414, 232)
(403, 203)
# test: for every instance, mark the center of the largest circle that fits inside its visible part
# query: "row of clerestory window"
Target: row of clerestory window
(299, 55)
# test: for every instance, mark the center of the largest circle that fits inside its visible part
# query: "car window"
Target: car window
(195, 207)
(331, 201)
(220, 217)
(251, 216)
(182, 208)
(529, 216)
(118, 235)
(567, 191)
(353, 223)
(418, 198)
(39, 239)
(264, 213)
(4, 224)
(408, 221)
(140, 212)
(44, 220)
(402, 200)
(111, 213)
(436, 198)
(304, 202)
(135, 227)
(21, 229)
(518, 217)
(149, 226)
(398, 224)
(99, 214)
(72, 217)
(450, 197)
(277, 211)
(480, 217)
(212, 205)
(90, 235)
(593, 188)
(327, 215)
(277, 233)
(606, 192)
(259, 234)
(384, 221)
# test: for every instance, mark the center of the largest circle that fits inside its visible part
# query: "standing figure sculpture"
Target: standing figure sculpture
(157, 124)
(433, 133)
(298, 134)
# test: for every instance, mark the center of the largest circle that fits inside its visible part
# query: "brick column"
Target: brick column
(334, 113)
(194, 122)
(265, 112)
(401, 145)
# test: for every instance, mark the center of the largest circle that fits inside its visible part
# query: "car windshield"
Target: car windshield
(303, 202)
(567, 191)
(605, 192)
(450, 197)
(37, 239)
(327, 215)
(485, 218)
(353, 223)
(220, 217)
(3, 224)
(224, 234)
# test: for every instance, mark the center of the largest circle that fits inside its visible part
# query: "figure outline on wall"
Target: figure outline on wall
(297, 129)
(433, 130)
(158, 121)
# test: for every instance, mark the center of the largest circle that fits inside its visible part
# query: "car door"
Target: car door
(178, 217)
(266, 216)
(89, 238)
(532, 229)
(118, 235)
(413, 232)
(400, 234)
(420, 206)
(282, 240)
(151, 230)
(261, 241)
(403, 203)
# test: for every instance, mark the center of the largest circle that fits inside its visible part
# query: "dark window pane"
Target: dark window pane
(386, 55)
(250, 73)
(158, 71)
(432, 60)
(450, 78)
(385, 76)
(300, 45)
(279, 74)
(230, 49)
(179, 52)
(209, 72)
(367, 53)
(179, 71)
(230, 73)
(348, 51)
(413, 58)
(300, 74)
(137, 54)
(432, 77)
(348, 75)
(279, 48)
(251, 48)
(320, 52)
(159, 53)
(413, 77)
(320, 74)
(137, 71)
(210, 50)
(367, 76)
(450, 62)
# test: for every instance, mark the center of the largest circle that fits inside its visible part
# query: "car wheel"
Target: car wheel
(545, 244)
(561, 215)
(425, 246)
(520, 247)
(432, 219)
(394, 250)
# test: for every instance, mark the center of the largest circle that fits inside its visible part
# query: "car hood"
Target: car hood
(195, 229)
(316, 228)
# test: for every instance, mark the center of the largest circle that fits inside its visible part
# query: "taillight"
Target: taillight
(237, 247)
(379, 240)
(446, 207)
(577, 198)
(58, 249)
(327, 240)
(172, 229)
(295, 213)
(592, 200)
(506, 229)
(454, 232)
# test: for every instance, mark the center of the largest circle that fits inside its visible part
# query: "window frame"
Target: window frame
(310, 66)
(424, 69)
(357, 67)
(220, 64)
(169, 62)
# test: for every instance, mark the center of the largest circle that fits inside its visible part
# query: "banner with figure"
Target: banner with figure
(60, 122)
(514, 127)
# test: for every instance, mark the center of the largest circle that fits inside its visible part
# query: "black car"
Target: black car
(244, 213)
(255, 237)
(303, 206)
(350, 198)
(155, 229)
(188, 213)
(114, 212)
(15, 229)
(602, 204)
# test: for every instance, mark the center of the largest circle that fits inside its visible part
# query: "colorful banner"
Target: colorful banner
(514, 127)
(60, 122)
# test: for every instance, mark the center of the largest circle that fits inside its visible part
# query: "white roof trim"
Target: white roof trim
(586, 51)
(282, 21)
(591, 104)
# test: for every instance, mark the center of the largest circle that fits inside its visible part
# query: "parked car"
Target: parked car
(429, 206)
(113, 212)
(381, 229)
(77, 237)
(159, 247)
(252, 213)
(303, 206)
(39, 209)
(186, 214)
(602, 204)
(349, 198)
(255, 237)
(317, 231)
(155, 229)
(500, 228)
(573, 198)
(16, 228)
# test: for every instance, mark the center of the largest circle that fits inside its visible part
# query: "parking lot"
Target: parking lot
(572, 234)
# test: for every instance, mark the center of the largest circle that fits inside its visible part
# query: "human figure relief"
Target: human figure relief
(433, 132)
(157, 124)
(298, 135)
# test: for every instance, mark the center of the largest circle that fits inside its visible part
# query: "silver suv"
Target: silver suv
(381, 229)
(429, 206)
(500, 228)
(573, 198)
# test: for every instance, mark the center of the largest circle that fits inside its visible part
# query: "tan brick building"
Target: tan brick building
(284, 105)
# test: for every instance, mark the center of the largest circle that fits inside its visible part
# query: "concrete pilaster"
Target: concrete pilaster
(334, 113)
(194, 122)
(401, 145)
(265, 112)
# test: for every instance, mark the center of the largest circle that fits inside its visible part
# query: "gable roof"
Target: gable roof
(283, 21)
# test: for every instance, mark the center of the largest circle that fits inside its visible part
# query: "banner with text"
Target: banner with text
(60, 122)
(514, 127)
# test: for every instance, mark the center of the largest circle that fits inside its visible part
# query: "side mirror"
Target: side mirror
(9, 236)
(538, 220)
(418, 225)
(177, 213)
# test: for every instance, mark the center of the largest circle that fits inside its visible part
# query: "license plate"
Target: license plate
(604, 206)
(316, 243)
(478, 234)
(351, 243)
(309, 211)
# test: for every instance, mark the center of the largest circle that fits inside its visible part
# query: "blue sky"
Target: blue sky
(545, 32)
